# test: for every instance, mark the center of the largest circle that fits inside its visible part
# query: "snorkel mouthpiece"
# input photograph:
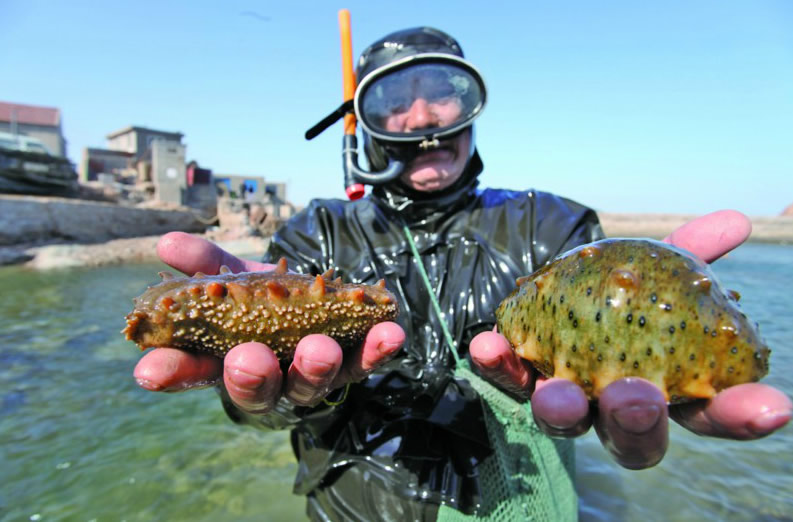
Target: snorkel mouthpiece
(355, 177)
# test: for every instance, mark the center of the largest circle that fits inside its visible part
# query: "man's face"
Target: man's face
(438, 168)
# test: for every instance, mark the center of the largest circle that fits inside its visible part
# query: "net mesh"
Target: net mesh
(529, 476)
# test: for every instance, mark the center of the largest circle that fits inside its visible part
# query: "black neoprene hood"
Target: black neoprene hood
(404, 43)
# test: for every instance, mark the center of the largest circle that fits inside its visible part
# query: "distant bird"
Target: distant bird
(254, 14)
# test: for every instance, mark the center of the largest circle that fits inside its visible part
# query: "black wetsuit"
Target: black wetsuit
(410, 436)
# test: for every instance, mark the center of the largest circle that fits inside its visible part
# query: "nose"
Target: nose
(420, 116)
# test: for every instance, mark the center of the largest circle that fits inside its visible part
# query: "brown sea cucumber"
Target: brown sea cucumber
(215, 313)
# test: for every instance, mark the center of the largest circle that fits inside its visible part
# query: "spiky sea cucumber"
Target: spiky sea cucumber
(633, 307)
(215, 313)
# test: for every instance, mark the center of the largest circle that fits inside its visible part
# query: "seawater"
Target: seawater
(80, 441)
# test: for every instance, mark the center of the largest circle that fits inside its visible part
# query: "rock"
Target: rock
(14, 255)
(118, 251)
(27, 219)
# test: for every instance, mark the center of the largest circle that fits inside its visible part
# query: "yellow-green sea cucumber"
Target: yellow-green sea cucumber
(633, 307)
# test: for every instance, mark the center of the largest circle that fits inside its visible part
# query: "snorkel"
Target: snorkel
(354, 176)
(418, 67)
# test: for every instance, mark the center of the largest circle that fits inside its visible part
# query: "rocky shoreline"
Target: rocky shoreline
(116, 251)
(765, 229)
(777, 229)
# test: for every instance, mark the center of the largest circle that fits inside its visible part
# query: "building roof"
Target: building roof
(108, 152)
(30, 114)
(131, 128)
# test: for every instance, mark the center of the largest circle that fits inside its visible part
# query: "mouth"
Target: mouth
(445, 153)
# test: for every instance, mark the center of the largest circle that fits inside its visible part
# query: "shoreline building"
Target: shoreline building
(154, 162)
(42, 123)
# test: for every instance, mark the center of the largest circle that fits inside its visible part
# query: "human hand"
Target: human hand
(631, 415)
(250, 371)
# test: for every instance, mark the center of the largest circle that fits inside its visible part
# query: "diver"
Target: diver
(389, 432)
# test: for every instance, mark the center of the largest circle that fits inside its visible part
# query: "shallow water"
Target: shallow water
(80, 441)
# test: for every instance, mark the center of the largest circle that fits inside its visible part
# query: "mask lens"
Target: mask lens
(421, 99)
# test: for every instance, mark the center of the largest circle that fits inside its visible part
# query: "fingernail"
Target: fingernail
(244, 379)
(316, 368)
(492, 364)
(637, 419)
(148, 385)
(769, 422)
(388, 348)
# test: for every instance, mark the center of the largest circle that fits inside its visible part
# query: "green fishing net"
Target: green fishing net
(529, 476)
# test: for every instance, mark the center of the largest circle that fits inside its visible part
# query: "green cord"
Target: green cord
(343, 397)
(507, 422)
(433, 299)
(447, 335)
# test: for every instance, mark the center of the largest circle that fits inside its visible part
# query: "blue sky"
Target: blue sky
(675, 106)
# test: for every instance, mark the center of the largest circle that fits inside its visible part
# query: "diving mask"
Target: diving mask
(420, 99)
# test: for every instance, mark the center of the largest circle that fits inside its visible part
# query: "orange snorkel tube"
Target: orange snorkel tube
(347, 70)
(353, 189)
(354, 176)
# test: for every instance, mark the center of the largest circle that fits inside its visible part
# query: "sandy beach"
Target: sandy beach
(765, 229)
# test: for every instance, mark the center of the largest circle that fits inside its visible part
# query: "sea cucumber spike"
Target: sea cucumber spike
(317, 288)
(539, 279)
(729, 330)
(519, 281)
(702, 284)
(276, 290)
(166, 276)
(215, 289)
(337, 281)
(734, 295)
(281, 266)
(589, 251)
(625, 279)
(357, 295)
(199, 275)
(381, 284)
(224, 269)
(238, 292)
(328, 274)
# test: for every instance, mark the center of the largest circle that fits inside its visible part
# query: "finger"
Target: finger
(498, 363)
(252, 376)
(632, 422)
(190, 254)
(744, 412)
(382, 342)
(317, 361)
(169, 369)
(560, 408)
(711, 236)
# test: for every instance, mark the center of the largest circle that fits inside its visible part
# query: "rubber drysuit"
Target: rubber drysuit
(410, 436)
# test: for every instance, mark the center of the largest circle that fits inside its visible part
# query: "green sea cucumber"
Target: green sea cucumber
(215, 313)
(633, 307)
